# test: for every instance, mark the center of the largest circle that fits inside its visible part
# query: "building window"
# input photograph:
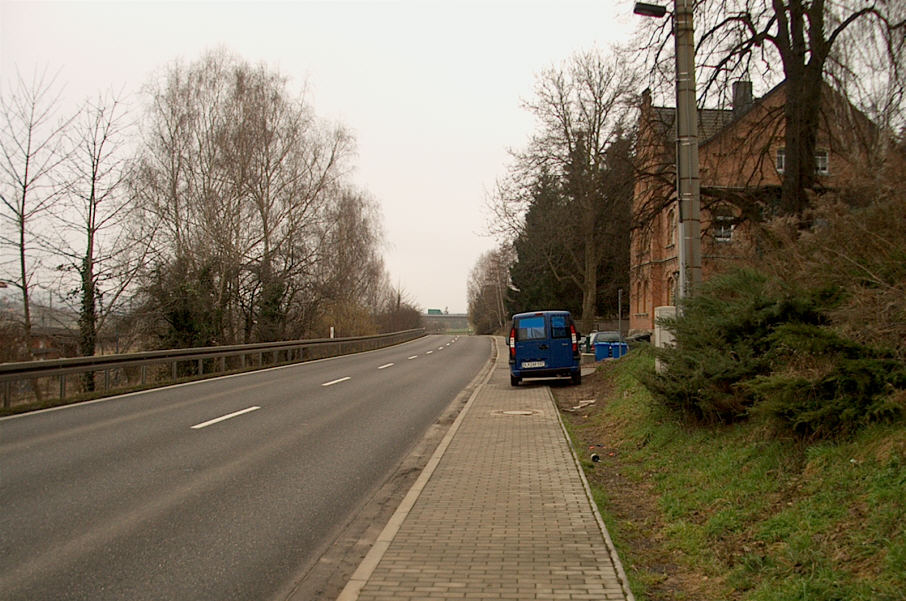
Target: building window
(722, 225)
(671, 228)
(821, 162)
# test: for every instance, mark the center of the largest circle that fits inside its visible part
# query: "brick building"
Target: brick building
(741, 162)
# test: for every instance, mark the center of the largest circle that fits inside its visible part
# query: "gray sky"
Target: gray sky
(431, 90)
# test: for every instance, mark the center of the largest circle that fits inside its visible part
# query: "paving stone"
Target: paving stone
(504, 515)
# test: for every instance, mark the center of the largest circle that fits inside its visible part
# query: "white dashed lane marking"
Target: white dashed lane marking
(223, 418)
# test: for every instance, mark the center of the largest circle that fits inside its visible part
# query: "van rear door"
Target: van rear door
(561, 343)
(532, 344)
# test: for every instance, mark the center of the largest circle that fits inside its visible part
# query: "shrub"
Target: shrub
(824, 385)
(722, 339)
(862, 251)
(747, 345)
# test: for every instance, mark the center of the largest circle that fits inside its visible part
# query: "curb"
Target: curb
(611, 549)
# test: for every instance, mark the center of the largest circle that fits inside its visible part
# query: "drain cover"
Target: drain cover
(517, 412)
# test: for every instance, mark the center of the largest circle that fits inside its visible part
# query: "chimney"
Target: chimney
(742, 97)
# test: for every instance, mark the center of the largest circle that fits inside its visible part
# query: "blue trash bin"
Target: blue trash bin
(610, 350)
(602, 351)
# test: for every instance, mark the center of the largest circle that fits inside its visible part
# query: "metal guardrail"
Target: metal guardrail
(27, 381)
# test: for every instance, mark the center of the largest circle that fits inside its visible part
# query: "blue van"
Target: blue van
(544, 344)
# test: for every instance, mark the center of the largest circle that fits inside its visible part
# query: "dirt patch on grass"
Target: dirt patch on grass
(631, 507)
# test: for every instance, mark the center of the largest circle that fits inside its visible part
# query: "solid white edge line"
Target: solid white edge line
(332, 382)
(223, 418)
(386, 365)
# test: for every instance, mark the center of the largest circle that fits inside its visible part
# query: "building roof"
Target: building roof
(710, 121)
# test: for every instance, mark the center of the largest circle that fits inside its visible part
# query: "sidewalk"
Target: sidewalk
(499, 512)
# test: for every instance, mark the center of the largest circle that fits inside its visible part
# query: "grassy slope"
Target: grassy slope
(736, 513)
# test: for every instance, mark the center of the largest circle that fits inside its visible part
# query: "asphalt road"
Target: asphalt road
(222, 489)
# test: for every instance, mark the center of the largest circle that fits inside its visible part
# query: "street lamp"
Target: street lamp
(649, 10)
(687, 183)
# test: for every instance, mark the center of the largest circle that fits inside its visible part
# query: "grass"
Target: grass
(734, 512)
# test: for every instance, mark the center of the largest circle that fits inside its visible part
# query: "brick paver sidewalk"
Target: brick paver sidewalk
(500, 512)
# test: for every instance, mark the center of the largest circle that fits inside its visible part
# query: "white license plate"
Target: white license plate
(532, 364)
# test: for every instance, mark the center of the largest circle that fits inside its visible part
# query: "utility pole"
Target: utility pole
(687, 182)
(688, 191)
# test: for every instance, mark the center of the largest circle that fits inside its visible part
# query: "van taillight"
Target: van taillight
(513, 343)
(572, 330)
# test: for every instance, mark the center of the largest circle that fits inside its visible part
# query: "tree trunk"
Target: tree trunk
(23, 271)
(804, 53)
(590, 287)
(88, 314)
(801, 114)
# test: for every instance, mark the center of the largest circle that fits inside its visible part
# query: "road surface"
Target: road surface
(223, 489)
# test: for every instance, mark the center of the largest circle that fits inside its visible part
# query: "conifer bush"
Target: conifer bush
(748, 345)
(823, 385)
(721, 341)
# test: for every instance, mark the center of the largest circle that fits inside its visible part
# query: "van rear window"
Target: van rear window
(559, 327)
(530, 328)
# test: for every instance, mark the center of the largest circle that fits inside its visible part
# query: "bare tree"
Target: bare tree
(238, 172)
(801, 41)
(352, 266)
(93, 218)
(397, 311)
(31, 151)
(293, 163)
(488, 287)
(581, 108)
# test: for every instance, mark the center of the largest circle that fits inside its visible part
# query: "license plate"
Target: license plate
(532, 364)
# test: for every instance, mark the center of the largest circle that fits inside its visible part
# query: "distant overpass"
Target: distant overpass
(436, 322)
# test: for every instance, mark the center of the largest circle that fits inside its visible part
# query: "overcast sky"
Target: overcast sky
(431, 90)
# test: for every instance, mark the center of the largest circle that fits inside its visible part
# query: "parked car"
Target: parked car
(544, 344)
(639, 338)
(604, 336)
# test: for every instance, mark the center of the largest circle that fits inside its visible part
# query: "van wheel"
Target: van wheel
(577, 378)
(514, 381)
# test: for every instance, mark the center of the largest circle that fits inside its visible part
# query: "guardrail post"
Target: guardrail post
(62, 386)
(7, 394)
(144, 372)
